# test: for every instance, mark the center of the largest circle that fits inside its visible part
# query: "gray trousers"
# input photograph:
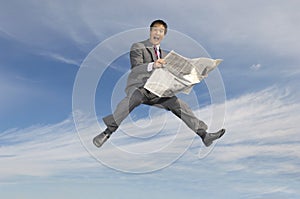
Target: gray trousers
(143, 96)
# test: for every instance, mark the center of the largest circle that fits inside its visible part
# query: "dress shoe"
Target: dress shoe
(100, 139)
(208, 138)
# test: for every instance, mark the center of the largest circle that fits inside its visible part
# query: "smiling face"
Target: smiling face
(157, 33)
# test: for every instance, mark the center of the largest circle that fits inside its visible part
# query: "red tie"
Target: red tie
(156, 53)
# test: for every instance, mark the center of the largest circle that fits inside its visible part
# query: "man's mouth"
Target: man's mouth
(156, 38)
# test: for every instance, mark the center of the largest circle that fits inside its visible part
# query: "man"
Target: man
(146, 56)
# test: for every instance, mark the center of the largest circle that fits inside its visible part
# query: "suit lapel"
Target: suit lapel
(150, 49)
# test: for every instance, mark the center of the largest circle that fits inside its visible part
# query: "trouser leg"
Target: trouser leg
(183, 111)
(122, 110)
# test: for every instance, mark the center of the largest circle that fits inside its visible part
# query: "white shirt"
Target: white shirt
(150, 65)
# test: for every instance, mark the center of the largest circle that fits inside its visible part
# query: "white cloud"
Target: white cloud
(271, 31)
(255, 66)
(41, 151)
(262, 135)
(259, 125)
(273, 27)
(261, 142)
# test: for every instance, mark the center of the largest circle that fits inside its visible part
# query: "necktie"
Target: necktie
(157, 53)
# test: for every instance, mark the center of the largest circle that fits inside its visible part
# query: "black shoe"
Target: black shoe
(100, 139)
(210, 137)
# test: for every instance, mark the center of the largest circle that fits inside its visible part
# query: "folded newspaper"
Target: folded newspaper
(179, 74)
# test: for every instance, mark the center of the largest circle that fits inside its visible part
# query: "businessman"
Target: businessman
(145, 57)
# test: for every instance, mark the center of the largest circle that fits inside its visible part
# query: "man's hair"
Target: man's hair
(159, 21)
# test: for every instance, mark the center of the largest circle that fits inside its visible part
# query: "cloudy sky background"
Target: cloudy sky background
(41, 154)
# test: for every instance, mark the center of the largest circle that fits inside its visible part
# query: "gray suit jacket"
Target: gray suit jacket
(141, 54)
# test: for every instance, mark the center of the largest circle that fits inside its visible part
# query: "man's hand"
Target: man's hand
(159, 63)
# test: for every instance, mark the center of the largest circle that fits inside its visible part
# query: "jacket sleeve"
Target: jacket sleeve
(137, 58)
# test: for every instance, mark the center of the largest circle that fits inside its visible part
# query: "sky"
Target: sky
(45, 141)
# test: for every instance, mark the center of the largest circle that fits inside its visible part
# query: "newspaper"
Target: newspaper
(179, 74)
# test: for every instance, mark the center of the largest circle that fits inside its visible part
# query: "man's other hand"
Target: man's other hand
(159, 63)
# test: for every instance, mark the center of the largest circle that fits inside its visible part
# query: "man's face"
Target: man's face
(157, 34)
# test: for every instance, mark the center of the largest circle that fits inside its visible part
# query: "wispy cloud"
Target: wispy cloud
(42, 151)
(262, 140)
(61, 58)
(271, 29)
(13, 88)
(261, 130)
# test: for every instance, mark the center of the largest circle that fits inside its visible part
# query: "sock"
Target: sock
(202, 133)
(107, 132)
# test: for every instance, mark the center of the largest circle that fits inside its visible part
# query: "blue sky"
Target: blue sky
(44, 43)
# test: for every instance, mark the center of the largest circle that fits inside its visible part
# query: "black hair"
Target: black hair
(159, 21)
